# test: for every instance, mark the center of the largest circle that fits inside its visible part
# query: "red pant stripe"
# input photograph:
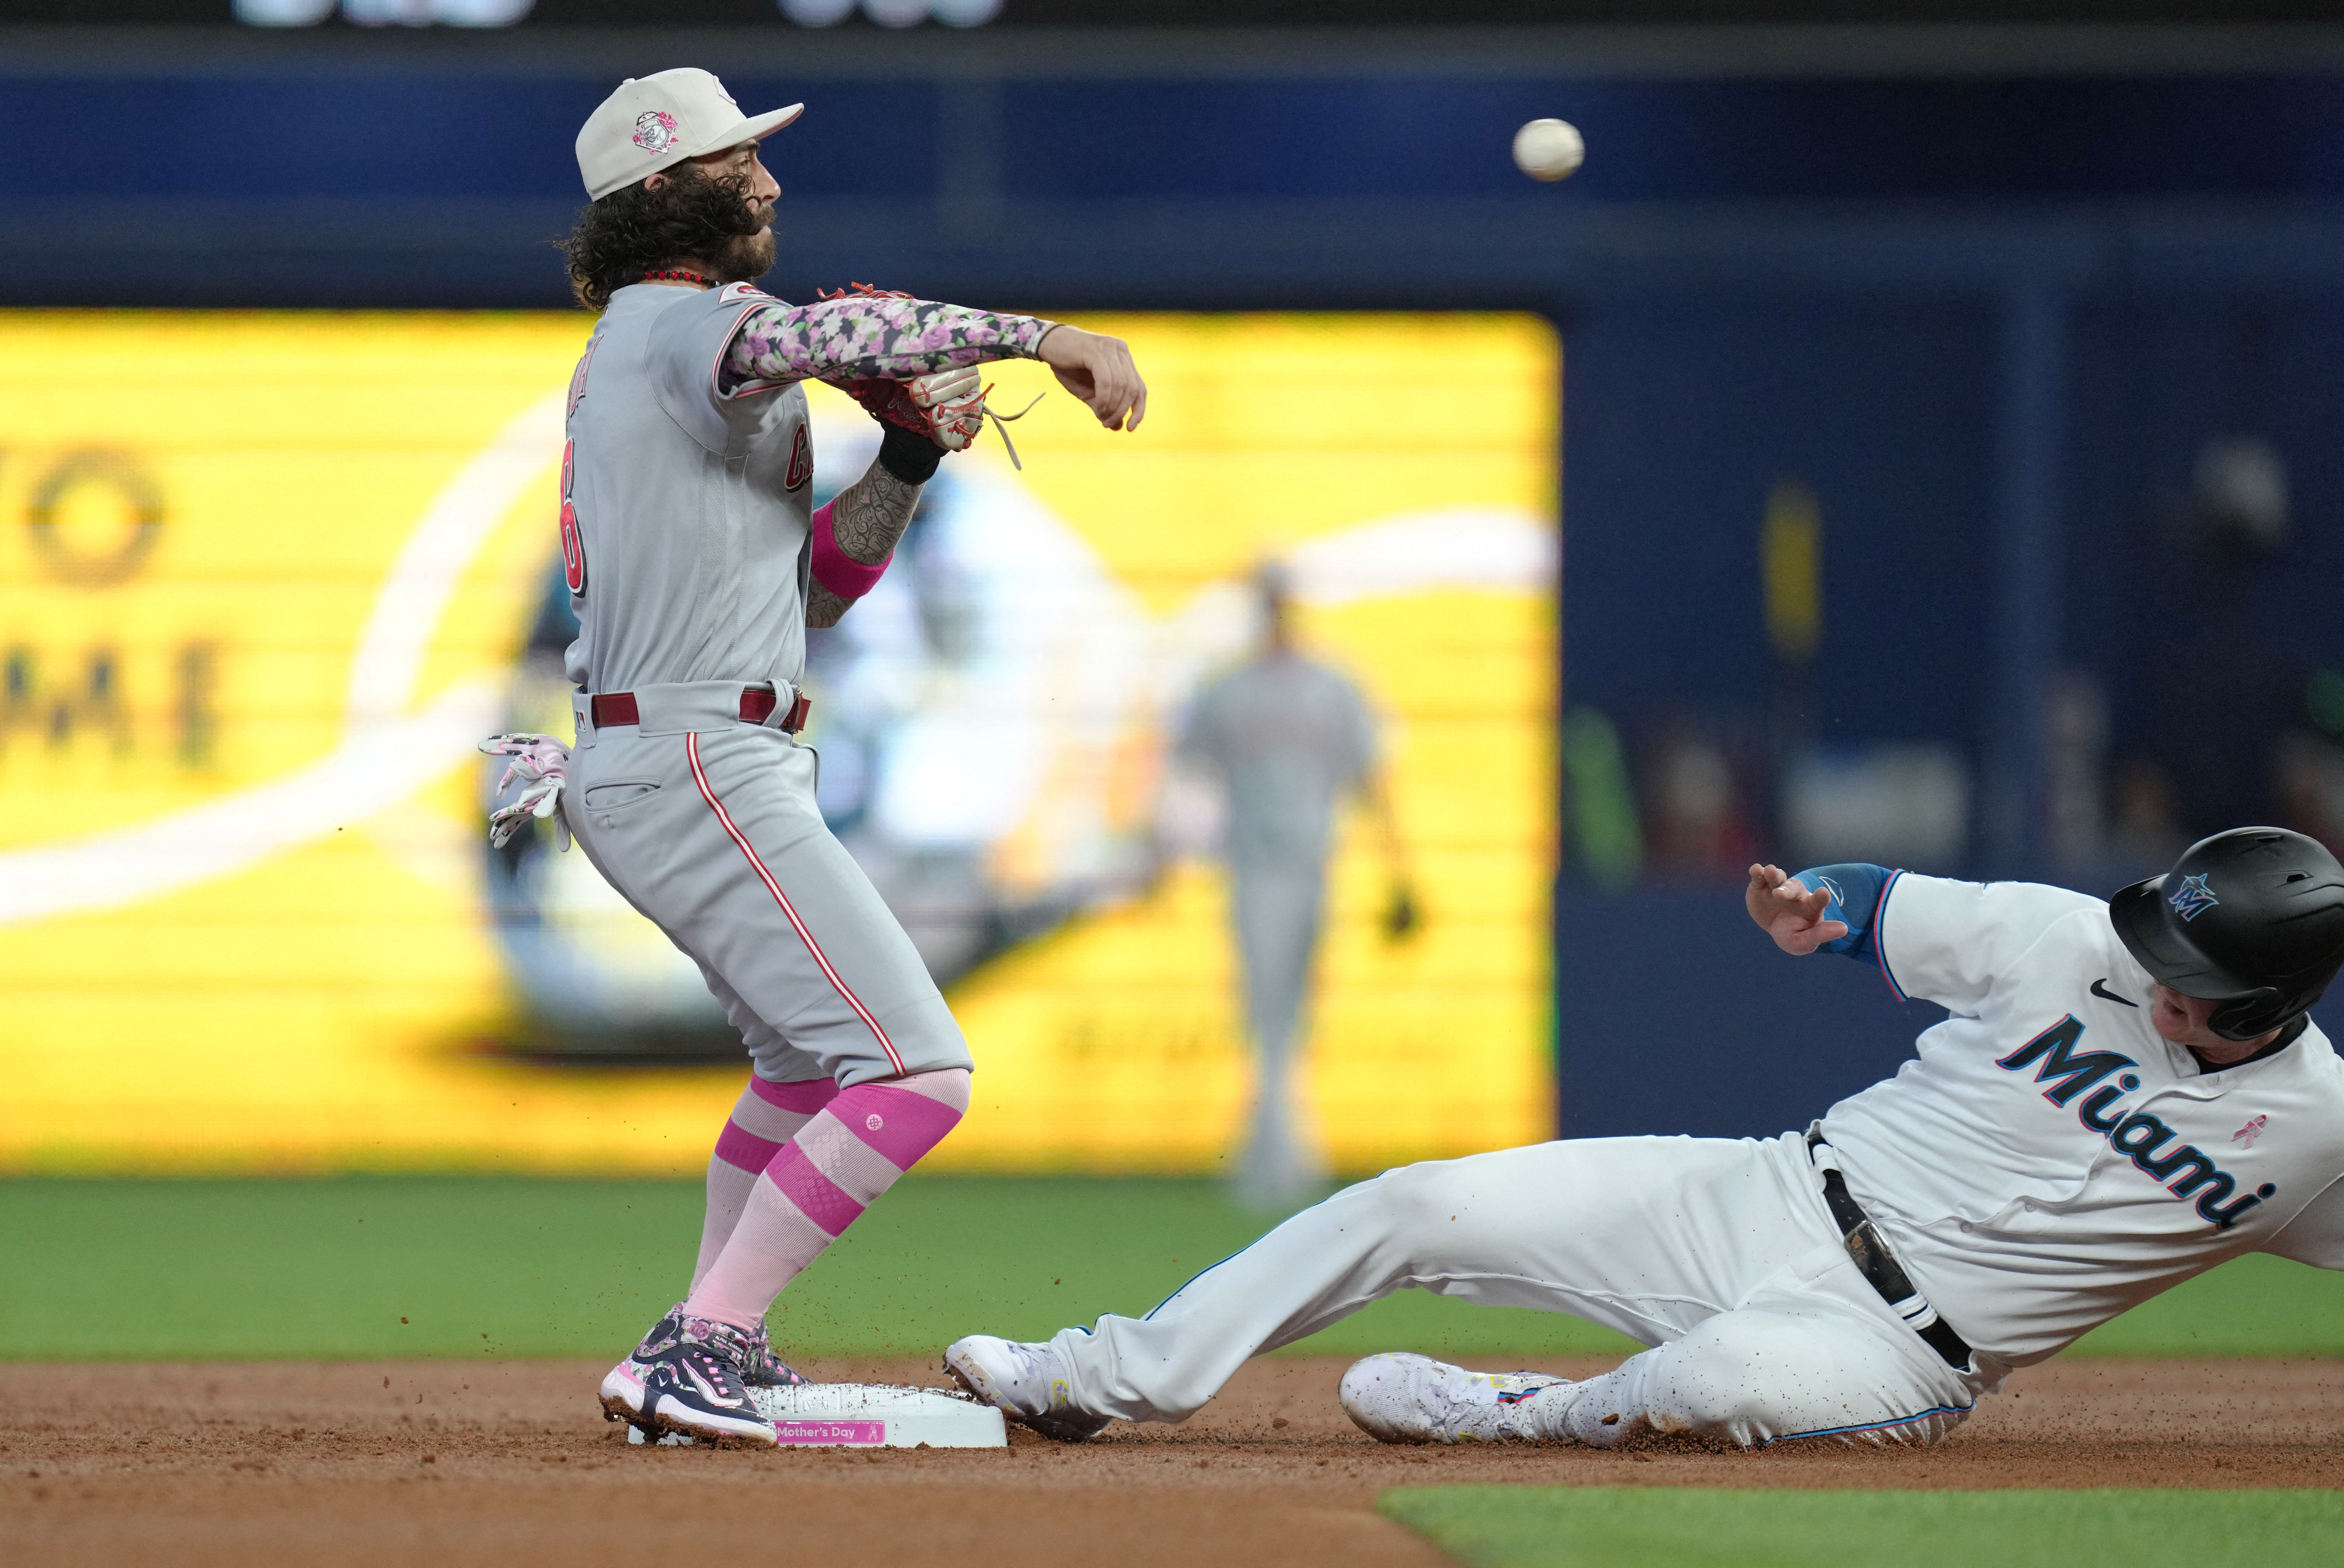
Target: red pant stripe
(708, 793)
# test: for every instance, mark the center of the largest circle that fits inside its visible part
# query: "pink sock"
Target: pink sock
(768, 1116)
(820, 1182)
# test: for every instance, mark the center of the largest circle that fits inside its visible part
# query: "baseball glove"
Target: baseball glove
(894, 402)
(1400, 919)
(947, 406)
(862, 290)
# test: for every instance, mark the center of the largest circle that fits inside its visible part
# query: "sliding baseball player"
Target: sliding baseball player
(2128, 1093)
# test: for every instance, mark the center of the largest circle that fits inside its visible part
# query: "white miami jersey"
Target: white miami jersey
(2050, 1159)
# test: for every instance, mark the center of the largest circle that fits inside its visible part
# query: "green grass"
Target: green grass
(153, 1270)
(2253, 1306)
(1656, 1527)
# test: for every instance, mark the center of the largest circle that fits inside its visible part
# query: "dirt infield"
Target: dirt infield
(452, 1463)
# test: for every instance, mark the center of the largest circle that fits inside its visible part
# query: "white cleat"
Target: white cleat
(1026, 1383)
(1401, 1397)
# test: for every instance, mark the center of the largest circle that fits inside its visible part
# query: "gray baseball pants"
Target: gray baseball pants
(708, 826)
(1275, 907)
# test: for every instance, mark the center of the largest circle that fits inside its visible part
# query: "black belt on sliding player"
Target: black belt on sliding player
(1881, 1269)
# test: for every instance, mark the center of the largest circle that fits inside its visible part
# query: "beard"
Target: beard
(745, 257)
(711, 219)
(690, 219)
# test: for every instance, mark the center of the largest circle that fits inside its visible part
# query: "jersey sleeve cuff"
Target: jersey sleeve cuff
(1855, 889)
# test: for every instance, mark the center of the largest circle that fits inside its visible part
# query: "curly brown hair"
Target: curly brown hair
(689, 217)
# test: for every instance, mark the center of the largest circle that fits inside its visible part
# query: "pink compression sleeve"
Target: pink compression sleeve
(836, 570)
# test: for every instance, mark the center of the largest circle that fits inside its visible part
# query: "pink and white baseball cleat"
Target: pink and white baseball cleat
(693, 1376)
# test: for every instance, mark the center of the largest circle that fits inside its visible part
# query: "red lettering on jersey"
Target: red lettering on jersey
(578, 377)
(573, 548)
(801, 467)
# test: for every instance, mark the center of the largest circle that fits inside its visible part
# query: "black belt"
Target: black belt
(1881, 1269)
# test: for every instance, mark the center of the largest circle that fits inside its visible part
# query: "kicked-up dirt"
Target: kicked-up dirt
(453, 1464)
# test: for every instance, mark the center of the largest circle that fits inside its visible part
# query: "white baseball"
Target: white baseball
(1549, 149)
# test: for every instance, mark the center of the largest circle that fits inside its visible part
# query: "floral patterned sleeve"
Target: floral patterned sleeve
(867, 335)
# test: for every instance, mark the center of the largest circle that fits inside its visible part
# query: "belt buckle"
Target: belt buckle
(759, 706)
(1870, 1250)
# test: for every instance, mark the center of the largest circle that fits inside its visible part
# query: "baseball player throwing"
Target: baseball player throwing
(695, 562)
(2126, 1094)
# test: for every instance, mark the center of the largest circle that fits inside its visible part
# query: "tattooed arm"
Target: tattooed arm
(868, 517)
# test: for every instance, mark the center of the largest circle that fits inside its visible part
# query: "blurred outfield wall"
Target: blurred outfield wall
(265, 578)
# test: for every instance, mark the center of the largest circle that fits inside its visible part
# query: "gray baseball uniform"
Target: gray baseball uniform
(1288, 737)
(686, 499)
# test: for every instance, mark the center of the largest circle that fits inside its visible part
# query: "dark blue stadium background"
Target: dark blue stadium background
(1988, 307)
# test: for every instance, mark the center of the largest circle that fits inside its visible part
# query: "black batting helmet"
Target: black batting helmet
(2252, 919)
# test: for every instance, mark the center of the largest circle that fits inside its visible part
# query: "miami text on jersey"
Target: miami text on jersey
(2136, 1135)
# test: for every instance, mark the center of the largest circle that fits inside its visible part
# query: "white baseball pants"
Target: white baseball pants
(1720, 1254)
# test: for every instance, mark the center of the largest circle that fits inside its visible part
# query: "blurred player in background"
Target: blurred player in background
(695, 561)
(1287, 736)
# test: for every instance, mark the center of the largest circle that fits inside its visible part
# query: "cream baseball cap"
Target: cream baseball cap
(653, 123)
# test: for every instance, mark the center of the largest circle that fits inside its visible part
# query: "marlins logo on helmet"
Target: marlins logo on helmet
(2192, 899)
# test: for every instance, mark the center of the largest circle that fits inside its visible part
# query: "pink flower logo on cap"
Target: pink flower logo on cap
(656, 130)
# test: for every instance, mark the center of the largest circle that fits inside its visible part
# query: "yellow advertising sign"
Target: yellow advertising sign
(265, 579)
